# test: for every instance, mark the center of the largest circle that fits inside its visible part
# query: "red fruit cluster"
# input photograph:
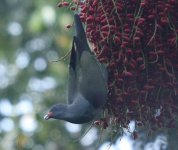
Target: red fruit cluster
(138, 40)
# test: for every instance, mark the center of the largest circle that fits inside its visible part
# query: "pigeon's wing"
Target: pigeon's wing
(72, 82)
(91, 75)
(92, 81)
(104, 71)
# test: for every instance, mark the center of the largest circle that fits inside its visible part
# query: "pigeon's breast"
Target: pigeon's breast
(81, 111)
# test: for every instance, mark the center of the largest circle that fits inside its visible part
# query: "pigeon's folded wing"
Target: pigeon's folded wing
(92, 82)
(91, 75)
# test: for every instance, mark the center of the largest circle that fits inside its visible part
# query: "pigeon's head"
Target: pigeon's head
(57, 112)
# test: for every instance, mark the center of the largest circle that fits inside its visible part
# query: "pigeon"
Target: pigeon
(87, 84)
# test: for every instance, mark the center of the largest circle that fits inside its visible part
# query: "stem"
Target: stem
(153, 36)
(139, 13)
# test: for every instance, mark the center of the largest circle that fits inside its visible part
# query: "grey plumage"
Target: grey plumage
(87, 87)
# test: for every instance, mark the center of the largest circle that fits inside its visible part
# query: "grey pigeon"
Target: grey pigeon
(87, 89)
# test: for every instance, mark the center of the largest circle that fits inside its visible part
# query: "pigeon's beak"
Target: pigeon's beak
(48, 116)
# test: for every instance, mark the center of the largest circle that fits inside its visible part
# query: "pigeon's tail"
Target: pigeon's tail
(80, 33)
